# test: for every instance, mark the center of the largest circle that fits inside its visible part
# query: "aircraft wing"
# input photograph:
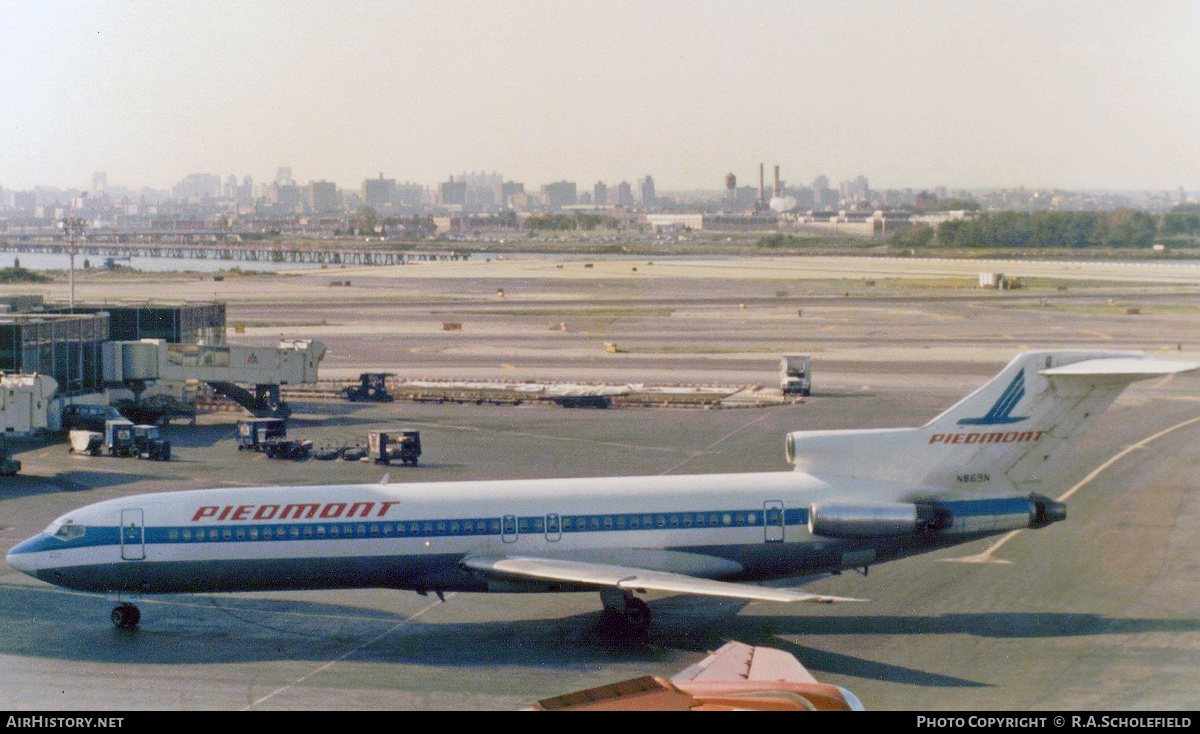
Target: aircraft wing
(530, 568)
(738, 677)
(739, 661)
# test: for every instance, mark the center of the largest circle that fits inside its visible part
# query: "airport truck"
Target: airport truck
(255, 433)
(795, 374)
(118, 437)
(295, 449)
(121, 437)
(269, 436)
(372, 387)
(149, 443)
(388, 446)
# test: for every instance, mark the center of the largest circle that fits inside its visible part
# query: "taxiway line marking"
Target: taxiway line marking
(345, 655)
(720, 440)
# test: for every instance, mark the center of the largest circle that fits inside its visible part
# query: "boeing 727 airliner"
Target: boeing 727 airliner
(855, 498)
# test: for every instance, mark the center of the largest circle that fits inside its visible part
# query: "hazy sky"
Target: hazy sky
(1045, 93)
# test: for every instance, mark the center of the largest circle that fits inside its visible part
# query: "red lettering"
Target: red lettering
(206, 511)
(1011, 437)
(299, 511)
(235, 513)
(262, 513)
(364, 512)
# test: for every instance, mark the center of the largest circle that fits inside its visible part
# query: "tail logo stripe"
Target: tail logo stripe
(1001, 412)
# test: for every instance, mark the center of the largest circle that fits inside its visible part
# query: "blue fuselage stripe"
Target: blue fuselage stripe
(359, 529)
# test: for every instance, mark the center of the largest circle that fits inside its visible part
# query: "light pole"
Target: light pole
(73, 227)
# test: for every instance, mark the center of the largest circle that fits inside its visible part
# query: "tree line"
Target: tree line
(1124, 228)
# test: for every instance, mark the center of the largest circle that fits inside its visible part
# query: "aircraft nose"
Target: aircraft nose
(23, 558)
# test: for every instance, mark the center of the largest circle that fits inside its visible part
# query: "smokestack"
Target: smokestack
(778, 193)
(762, 187)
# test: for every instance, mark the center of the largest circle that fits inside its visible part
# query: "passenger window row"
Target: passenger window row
(490, 526)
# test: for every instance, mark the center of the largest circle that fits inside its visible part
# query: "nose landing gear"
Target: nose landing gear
(126, 616)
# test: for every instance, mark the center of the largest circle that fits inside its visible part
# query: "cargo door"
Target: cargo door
(133, 535)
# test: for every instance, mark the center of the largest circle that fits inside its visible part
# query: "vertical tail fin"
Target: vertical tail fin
(1008, 434)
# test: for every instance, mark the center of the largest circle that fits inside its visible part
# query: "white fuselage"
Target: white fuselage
(412, 536)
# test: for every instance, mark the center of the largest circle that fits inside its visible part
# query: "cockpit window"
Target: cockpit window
(69, 531)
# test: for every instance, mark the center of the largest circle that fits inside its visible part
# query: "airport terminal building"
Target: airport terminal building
(56, 340)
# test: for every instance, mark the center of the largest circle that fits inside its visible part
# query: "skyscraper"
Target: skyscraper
(453, 194)
(558, 195)
(379, 192)
(648, 199)
(624, 194)
(321, 196)
(245, 192)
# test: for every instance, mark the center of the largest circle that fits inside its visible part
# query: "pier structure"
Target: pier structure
(196, 249)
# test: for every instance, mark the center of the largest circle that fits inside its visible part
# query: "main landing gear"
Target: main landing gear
(126, 616)
(625, 609)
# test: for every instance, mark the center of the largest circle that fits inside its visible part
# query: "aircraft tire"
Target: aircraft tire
(626, 610)
(637, 614)
(126, 616)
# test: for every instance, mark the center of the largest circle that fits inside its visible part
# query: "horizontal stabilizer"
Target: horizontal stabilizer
(544, 570)
(1127, 369)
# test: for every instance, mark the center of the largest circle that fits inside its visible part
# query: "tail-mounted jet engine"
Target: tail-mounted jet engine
(874, 520)
(870, 520)
(1045, 511)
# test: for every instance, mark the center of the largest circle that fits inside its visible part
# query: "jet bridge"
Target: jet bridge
(250, 376)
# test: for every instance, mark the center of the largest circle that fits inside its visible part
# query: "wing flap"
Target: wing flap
(528, 568)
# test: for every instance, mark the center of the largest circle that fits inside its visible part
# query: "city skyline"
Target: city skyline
(100, 182)
(284, 197)
(1068, 95)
